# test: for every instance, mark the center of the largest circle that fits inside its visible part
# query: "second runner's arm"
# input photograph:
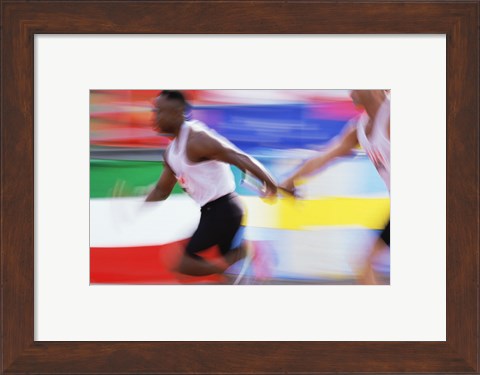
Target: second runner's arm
(340, 146)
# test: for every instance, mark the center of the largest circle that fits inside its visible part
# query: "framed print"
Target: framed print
(275, 329)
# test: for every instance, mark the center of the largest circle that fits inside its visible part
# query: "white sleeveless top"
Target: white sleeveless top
(204, 181)
(378, 139)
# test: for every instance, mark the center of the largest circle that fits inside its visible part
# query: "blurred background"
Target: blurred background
(321, 238)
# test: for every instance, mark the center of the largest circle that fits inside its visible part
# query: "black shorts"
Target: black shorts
(385, 235)
(220, 224)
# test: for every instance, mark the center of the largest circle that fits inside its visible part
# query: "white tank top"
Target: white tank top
(204, 181)
(378, 140)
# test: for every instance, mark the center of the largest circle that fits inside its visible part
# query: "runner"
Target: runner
(372, 131)
(199, 159)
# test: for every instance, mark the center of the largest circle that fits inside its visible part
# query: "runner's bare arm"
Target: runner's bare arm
(164, 186)
(339, 146)
(202, 146)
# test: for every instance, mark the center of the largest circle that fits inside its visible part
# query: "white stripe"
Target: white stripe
(126, 222)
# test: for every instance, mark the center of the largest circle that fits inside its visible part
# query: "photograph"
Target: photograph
(240, 187)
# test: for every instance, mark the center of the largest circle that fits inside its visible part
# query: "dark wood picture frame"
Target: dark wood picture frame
(21, 20)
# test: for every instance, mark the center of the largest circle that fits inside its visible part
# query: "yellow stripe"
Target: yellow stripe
(288, 213)
(259, 213)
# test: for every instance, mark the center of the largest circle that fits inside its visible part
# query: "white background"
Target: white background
(412, 308)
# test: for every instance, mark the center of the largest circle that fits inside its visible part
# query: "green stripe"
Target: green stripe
(110, 178)
(129, 178)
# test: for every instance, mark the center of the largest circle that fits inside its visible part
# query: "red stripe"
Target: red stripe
(143, 265)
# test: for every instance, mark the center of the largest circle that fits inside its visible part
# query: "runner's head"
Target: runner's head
(362, 98)
(169, 109)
